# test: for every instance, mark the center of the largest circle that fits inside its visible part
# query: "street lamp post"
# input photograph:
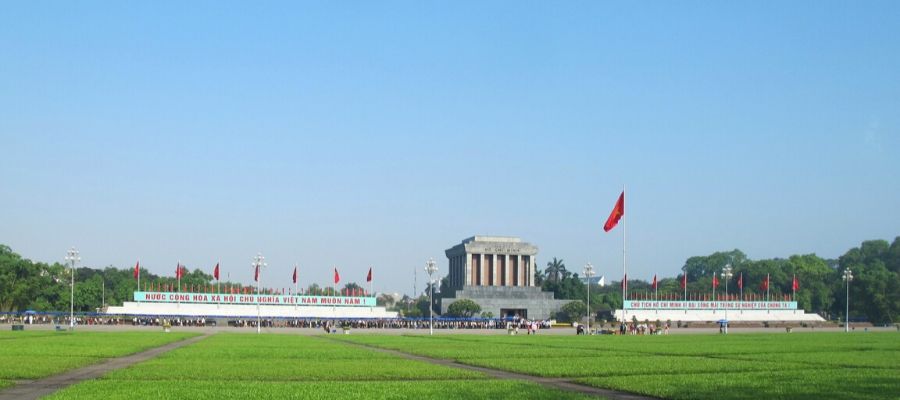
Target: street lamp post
(726, 276)
(72, 257)
(589, 272)
(258, 264)
(431, 268)
(848, 276)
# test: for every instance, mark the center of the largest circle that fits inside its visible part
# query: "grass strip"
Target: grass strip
(35, 356)
(345, 390)
(834, 383)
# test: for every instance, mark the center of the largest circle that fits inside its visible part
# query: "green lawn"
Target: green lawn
(36, 354)
(227, 366)
(329, 389)
(812, 365)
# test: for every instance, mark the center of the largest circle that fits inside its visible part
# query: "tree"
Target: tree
(385, 300)
(699, 267)
(422, 306)
(313, 289)
(572, 311)
(351, 287)
(556, 270)
(465, 308)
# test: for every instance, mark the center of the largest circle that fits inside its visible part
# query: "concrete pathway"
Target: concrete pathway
(556, 383)
(28, 390)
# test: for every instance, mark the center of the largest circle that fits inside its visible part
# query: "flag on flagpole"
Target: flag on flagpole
(684, 281)
(617, 212)
(369, 276)
(765, 283)
(654, 282)
(796, 284)
(625, 282)
(216, 272)
(337, 277)
(715, 282)
(256, 274)
(740, 281)
(295, 275)
(137, 271)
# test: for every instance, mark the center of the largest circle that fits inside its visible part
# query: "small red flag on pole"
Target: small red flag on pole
(654, 281)
(369, 276)
(337, 277)
(295, 275)
(216, 272)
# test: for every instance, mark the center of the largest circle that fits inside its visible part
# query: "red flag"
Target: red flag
(796, 284)
(765, 283)
(137, 270)
(654, 281)
(337, 277)
(616, 214)
(684, 280)
(625, 282)
(369, 277)
(216, 272)
(715, 282)
(295, 274)
(256, 274)
(741, 281)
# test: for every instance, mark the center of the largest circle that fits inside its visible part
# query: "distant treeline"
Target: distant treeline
(28, 285)
(874, 292)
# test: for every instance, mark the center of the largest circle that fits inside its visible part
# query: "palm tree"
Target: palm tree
(555, 270)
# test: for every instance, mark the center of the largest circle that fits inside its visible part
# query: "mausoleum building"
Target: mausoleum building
(497, 272)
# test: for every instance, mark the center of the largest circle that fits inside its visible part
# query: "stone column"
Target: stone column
(483, 271)
(468, 269)
(531, 271)
(506, 274)
(496, 267)
(518, 271)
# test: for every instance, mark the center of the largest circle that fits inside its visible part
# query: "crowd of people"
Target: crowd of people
(643, 329)
(317, 323)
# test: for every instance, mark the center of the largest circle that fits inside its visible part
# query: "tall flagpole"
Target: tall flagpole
(624, 269)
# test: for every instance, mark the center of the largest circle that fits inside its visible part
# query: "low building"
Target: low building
(227, 305)
(497, 272)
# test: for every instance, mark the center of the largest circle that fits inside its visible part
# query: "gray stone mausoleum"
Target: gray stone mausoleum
(497, 272)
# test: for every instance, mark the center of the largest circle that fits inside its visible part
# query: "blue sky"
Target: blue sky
(383, 133)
